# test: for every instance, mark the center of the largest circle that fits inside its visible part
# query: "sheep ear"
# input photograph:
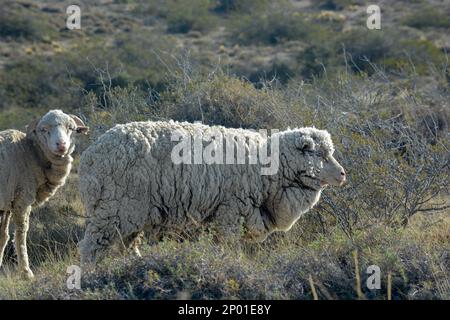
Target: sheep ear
(305, 143)
(31, 127)
(81, 128)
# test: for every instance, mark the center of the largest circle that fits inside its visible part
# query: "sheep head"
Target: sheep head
(310, 163)
(54, 130)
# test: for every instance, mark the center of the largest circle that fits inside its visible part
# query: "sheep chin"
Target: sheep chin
(65, 154)
(59, 155)
(312, 183)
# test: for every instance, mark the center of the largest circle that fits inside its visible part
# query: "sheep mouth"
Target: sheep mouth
(311, 183)
(59, 154)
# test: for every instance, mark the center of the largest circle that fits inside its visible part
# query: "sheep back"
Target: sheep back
(19, 177)
(128, 178)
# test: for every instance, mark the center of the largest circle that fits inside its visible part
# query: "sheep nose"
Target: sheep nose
(343, 177)
(61, 145)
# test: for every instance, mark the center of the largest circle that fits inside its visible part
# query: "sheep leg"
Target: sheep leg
(256, 229)
(95, 243)
(4, 232)
(228, 224)
(21, 221)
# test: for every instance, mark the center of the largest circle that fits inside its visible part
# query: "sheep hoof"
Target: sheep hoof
(27, 274)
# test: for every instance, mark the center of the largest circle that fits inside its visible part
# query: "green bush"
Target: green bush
(242, 6)
(18, 24)
(383, 48)
(53, 81)
(18, 118)
(185, 16)
(382, 148)
(428, 17)
(63, 78)
(416, 55)
(363, 47)
(333, 4)
(314, 61)
(220, 100)
(272, 25)
(117, 105)
(146, 58)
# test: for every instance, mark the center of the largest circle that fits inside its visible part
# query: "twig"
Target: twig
(389, 286)
(358, 278)
(313, 288)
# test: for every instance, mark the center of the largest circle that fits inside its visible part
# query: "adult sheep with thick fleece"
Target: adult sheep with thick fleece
(32, 167)
(132, 179)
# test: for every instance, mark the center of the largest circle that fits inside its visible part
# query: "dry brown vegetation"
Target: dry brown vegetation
(383, 95)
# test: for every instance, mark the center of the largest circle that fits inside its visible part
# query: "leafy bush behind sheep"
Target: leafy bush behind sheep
(397, 166)
(15, 25)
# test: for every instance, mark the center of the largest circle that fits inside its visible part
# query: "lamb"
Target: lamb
(130, 182)
(33, 166)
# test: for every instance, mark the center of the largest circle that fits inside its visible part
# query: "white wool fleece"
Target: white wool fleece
(128, 183)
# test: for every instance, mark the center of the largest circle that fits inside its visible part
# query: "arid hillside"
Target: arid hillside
(382, 94)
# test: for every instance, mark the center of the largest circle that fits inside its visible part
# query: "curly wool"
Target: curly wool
(29, 175)
(128, 183)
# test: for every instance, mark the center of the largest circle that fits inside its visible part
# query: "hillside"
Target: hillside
(382, 94)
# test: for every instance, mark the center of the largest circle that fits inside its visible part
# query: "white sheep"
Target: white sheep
(32, 167)
(130, 182)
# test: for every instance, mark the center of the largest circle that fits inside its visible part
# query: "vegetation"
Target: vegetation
(16, 24)
(192, 15)
(383, 95)
(428, 17)
(272, 23)
(414, 257)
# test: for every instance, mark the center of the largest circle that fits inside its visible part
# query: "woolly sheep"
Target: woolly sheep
(33, 166)
(129, 182)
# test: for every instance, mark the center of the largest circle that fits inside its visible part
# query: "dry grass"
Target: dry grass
(413, 262)
(389, 119)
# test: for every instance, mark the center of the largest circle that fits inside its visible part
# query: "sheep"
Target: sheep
(131, 182)
(33, 166)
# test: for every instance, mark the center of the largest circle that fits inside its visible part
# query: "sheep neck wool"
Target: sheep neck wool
(55, 170)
